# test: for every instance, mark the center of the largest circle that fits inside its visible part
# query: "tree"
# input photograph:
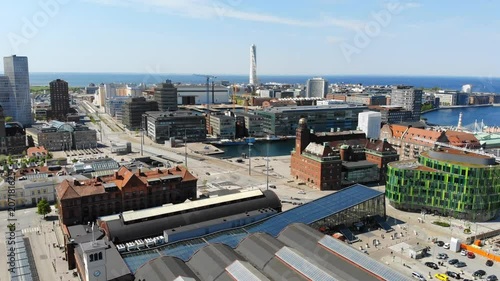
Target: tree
(74, 160)
(43, 208)
(8, 119)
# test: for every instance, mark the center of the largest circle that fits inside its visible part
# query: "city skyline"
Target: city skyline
(322, 37)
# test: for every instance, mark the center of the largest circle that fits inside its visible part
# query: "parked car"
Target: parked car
(460, 264)
(431, 265)
(453, 261)
(479, 273)
(418, 276)
(272, 186)
(446, 245)
(441, 276)
(471, 255)
(442, 256)
(463, 253)
(492, 278)
(440, 243)
(489, 263)
(453, 274)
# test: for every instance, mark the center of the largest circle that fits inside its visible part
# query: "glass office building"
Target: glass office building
(448, 182)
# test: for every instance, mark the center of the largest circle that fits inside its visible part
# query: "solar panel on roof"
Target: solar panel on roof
(306, 268)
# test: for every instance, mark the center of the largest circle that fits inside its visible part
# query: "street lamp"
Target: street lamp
(267, 169)
(249, 158)
(185, 149)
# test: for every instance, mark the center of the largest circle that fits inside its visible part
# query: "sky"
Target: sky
(314, 37)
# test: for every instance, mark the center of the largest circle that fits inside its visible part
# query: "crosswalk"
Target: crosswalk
(30, 229)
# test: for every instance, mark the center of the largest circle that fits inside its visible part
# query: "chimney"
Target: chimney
(116, 175)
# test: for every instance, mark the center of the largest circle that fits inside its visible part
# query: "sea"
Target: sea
(487, 116)
(479, 84)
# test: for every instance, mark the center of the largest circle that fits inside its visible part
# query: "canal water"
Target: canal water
(260, 148)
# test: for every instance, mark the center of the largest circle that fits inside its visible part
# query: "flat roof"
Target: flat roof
(165, 210)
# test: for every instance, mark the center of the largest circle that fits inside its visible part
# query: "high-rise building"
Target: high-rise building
(253, 65)
(369, 122)
(59, 99)
(317, 88)
(133, 109)
(16, 70)
(409, 98)
(5, 97)
(166, 96)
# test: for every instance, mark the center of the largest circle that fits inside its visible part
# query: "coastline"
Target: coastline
(460, 106)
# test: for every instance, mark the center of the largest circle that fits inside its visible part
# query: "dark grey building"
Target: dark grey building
(163, 125)
(409, 98)
(133, 109)
(283, 121)
(166, 96)
(59, 99)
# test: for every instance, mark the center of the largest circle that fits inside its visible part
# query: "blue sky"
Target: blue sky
(316, 37)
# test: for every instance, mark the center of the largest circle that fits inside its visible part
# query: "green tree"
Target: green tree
(9, 119)
(43, 208)
(74, 160)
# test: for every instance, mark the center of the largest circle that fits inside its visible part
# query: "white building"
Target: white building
(197, 94)
(369, 122)
(329, 102)
(467, 88)
(17, 73)
(253, 66)
(135, 90)
(316, 87)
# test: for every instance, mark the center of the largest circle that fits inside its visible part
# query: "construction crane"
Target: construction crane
(208, 77)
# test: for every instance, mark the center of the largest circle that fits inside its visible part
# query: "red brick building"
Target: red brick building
(333, 160)
(82, 202)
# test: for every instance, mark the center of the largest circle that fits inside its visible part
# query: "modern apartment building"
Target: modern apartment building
(17, 73)
(409, 98)
(59, 99)
(166, 96)
(252, 124)
(393, 114)
(448, 182)
(316, 87)
(223, 126)
(282, 121)
(133, 109)
(160, 126)
(369, 122)
(84, 201)
(12, 140)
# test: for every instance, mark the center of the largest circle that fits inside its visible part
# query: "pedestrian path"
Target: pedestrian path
(30, 229)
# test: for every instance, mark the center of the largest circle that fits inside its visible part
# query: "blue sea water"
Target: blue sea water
(480, 84)
(490, 116)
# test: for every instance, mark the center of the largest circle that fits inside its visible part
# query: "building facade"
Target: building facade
(316, 87)
(223, 126)
(84, 201)
(12, 141)
(369, 122)
(16, 71)
(161, 126)
(166, 96)
(448, 182)
(282, 121)
(59, 99)
(57, 136)
(114, 107)
(409, 98)
(133, 109)
(252, 124)
(393, 114)
(331, 161)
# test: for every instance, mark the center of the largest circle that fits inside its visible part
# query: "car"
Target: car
(431, 265)
(479, 273)
(452, 261)
(441, 276)
(207, 173)
(440, 243)
(463, 253)
(418, 276)
(471, 255)
(466, 279)
(272, 186)
(453, 274)
(460, 264)
(446, 245)
(489, 263)
(491, 278)
(442, 256)
(301, 192)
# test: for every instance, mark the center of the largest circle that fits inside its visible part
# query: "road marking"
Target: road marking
(30, 229)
